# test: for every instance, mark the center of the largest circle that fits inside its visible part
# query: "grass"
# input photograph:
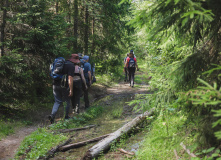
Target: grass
(8, 128)
(38, 143)
(165, 135)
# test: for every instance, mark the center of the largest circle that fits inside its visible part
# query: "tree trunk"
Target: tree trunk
(76, 26)
(56, 6)
(92, 33)
(86, 29)
(80, 144)
(3, 28)
(106, 143)
(69, 10)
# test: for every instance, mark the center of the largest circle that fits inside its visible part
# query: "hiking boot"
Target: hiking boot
(67, 117)
(51, 119)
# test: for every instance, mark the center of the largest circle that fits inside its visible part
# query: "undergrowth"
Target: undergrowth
(38, 143)
(41, 141)
(165, 135)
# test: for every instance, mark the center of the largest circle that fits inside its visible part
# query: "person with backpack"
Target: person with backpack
(77, 84)
(131, 51)
(125, 68)
(87, 75)
(131, 64)
(62, 73)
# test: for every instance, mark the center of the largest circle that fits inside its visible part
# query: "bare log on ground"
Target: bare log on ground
(80, 144)
(125, 152)
(75, 129)
(175, 152)
(187, 150)
(104, 144)
(51, 153)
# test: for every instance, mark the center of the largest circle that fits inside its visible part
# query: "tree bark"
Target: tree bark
(76, 26)
(51, 153)
(80, 144)
(92, 33)
(75, 129)
(106, 143)
(86, 21)
(4, 16)
(56, 6)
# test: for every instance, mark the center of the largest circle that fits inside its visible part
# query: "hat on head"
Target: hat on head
(86, 58)
(74, 58)
(131, 50)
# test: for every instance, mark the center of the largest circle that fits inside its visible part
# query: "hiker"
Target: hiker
(93, 78)
(87, 75)
(77, 84)
(125, 68)
(81, 60)
(131, 51)
(131, 64)
(63, 93)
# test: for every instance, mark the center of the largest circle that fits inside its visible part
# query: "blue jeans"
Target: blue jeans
(60, 96)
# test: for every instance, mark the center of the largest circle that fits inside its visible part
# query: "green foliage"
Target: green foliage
(76, 121)
(166, 133)
(38, 143)
(209, 97)
(6, 128)
(179, 42)
(117, 112)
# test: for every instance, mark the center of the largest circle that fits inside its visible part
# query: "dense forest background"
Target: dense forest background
(34, 32)
(178, 40)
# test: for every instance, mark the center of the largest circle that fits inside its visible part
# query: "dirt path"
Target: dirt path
(10, 144)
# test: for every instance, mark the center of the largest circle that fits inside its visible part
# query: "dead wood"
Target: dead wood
(175, 152)
(125, 152)
(75, 129)
(187, 150)
(51, 152)
(80, 144)
(105, 144)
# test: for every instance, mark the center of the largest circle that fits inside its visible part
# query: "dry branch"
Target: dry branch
(104, 144)
(75, 129)
(51, 153)
(126, 152)
(175, 152)
(80, 144)
(187, 150)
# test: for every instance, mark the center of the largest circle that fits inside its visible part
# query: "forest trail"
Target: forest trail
(10, 144)
(120, 93)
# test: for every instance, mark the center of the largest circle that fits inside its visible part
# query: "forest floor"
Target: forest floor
(113, 98)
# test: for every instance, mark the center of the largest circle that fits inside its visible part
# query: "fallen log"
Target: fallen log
(187, 150)
(75, 129)
(104, 144)
(51, 152)
(125, 152)
(80, 144)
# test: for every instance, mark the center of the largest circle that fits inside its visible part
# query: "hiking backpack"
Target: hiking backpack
(131, 63)
(56, 68)
(82, 64)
